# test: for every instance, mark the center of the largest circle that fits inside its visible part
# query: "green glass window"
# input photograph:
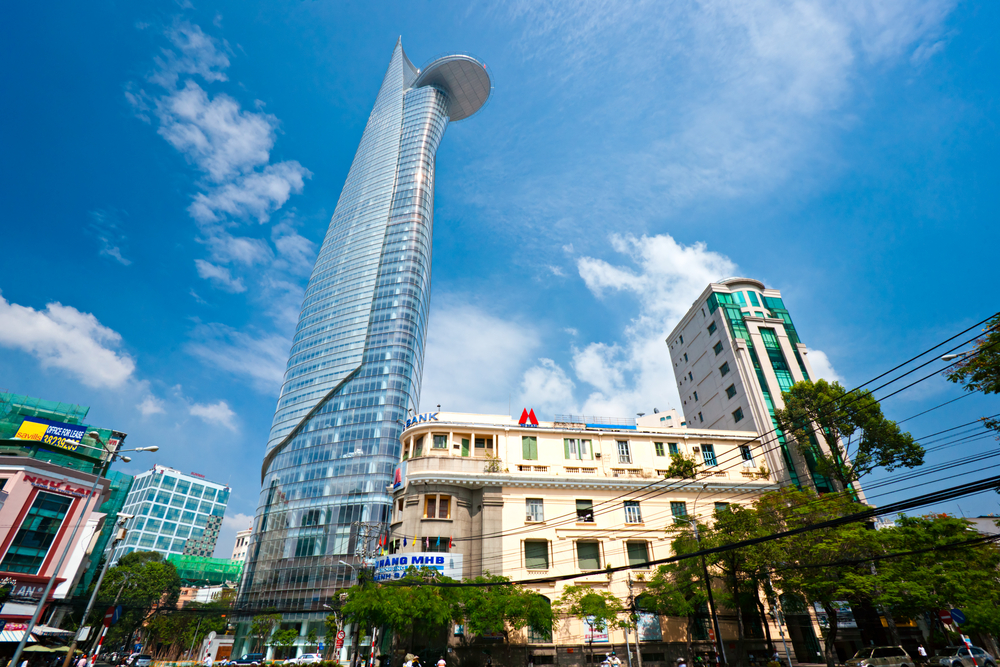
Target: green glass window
(168, 482)
(738, 414)
(695, 396)
(529, 447)
(680, 511)
(588, 555)
(685, 357)
(746, 453)
(690, 376)
(153, 525)
(536, 555)
(777, 359)
(659, 448)
(712, 328)
(753, 299)
(721, 507)
(700, 418)
(718, 348)
(440, 442)
(739, 297)
(418, 449)
(36, 533)
(682, 339)
(638, 553)
(673, 449)
(724, 368)
(758, 314)
(731, 390)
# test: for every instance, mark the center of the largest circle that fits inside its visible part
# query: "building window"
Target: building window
(437, 507)
(638, 554)
(585, 511)
(682, 339)
(731, 390)
(632, 513)
(440, 442)
(534, 509)
(724, 369)
(541, 635)
(673, 449)
(35, 535)
(718, 348)
(536, 554)
(685, 357)
(708, 454)
(624, 455)
(680, 511)
(418, 449)
(753, 299)
(700, 418)
(738, 414)
(747, 454)
(690, 376)
(696, 396)
(739, 297)
(588, 555)
(721, 507)
(712, 328)
(529, 447)
(659, 449)
(578, 449)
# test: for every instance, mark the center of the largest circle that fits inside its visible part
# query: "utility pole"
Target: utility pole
(635, 615)
(779, 617)
(708, 583)
(366, 549)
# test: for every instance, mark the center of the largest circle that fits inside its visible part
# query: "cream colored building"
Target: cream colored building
(241, 544)
(483, 493)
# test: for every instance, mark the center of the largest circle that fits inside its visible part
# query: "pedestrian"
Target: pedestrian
(208, 660)
(922, 652)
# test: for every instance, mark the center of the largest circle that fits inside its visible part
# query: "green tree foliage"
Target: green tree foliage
(503, 607)
(682, 467)
(858, 436)
(283, 639)
(145, 585)
(601, 609)
(261, 627)
(678, 589)
(179, 630)
(806, 563)
(980, 371)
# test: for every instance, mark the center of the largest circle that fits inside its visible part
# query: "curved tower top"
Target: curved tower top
(463, 78)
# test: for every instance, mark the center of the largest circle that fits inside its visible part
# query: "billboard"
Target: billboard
(57, 434)
(648, 625)
(592, 634)
(396, 565)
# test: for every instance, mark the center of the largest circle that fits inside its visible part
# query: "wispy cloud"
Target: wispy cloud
(259, 357)
(151, 405)
(63, 338)
(104, 226)
(220, 275)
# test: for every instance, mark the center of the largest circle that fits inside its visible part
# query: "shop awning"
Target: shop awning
(14, 636)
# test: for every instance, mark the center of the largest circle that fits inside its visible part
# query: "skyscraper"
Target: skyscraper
(355, 364)
(734, 352)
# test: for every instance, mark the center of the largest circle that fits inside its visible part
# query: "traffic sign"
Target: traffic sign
(340, 640)
(945, 616)
(109, 617)
(341, 634)
(211, 636)
(958, 616)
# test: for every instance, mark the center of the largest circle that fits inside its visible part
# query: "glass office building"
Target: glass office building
(172, 511)
(356, 359)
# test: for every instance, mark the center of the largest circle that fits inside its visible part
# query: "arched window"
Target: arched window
(540, 632)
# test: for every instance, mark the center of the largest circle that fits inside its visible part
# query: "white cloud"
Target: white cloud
(196, 53)
(635, 375)
(473, 359)
(256, 195)
(822, 368)
(259, 358)
(231, 524)
(64, 338)
(151, 405)
(215, 413)
(220, 275)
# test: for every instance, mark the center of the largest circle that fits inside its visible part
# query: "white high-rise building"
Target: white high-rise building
(733, 353)
(240, 546)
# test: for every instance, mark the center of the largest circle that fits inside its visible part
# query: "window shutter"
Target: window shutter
(566, 446)
(534, 449)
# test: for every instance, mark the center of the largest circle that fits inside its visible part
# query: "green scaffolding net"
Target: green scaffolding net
(202, 571)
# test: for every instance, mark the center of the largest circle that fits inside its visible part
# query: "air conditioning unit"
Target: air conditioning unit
(597, 455)
(529, 518)
(696, 449)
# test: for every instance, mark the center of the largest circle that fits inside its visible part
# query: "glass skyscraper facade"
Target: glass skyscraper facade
(172, 511)
(355, 364)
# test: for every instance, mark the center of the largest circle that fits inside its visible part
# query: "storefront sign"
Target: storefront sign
(845, 617)
(419, 419)
(58, 487)
(64, 436)
(395, 566)
(527, 418)
(649, 627)
(592, 634)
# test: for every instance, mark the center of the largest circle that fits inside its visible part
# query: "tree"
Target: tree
(678, 589)
(261, 627)
(858, 437)
(283, 638)
(600, 610)
(681, 467)
(807, 563)
(980, 370)
(503, 607)
(144, 585)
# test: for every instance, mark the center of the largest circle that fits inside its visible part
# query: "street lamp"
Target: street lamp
(957, 355)
(112, 455)
(708, 584)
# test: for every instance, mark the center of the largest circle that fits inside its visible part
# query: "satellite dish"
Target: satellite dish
(656, 411)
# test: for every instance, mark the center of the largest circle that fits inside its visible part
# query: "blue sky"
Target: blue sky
(168, 171)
